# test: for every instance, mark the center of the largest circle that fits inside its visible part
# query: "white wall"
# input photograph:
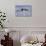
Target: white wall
(38, 18)
(39, 13)
(9, 7)
(36, 22)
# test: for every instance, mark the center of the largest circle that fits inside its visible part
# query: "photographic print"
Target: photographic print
(24, 10)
